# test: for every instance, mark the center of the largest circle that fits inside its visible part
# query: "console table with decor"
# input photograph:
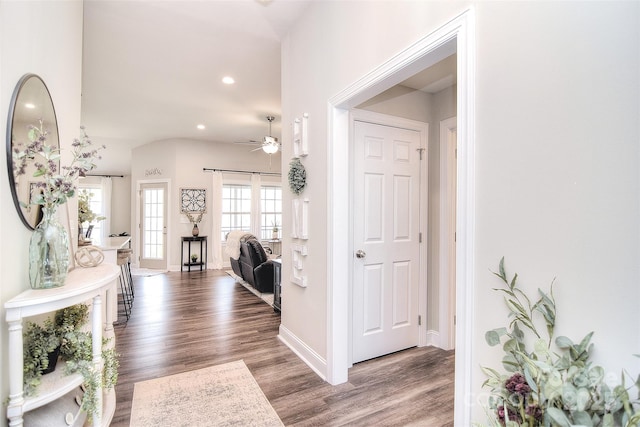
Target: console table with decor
(202, 261)
(83, 285)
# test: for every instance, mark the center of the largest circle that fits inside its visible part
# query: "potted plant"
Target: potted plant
(194, 258)
(67, 332)
(195, 220)
(41, 347)
(85, 214)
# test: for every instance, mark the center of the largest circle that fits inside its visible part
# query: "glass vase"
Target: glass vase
(48, 253)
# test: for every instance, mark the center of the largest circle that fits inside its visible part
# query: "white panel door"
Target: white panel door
(386, 240)
(153, 227)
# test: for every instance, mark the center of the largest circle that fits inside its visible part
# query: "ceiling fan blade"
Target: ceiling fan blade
(249, 142)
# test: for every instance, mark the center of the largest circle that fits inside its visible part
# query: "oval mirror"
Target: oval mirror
(31, 103)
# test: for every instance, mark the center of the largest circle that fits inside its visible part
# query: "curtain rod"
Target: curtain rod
(108, 176)
(240, 171)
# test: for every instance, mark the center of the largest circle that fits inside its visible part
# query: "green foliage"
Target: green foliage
(544, 387)
(297, 176)
(38, 342)
(81, 360)
(76, 348)
(57, 183)
(85, 214)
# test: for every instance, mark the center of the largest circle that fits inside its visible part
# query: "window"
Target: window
(271, 206)
(236, 208)
(97, 207)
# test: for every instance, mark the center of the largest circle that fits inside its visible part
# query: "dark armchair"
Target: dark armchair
(249, 260)
(255, 265)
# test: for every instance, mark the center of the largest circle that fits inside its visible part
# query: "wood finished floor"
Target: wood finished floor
(186, 321)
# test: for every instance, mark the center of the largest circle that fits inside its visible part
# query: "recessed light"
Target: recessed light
(201, 127)
(228, 80)
(30, 105)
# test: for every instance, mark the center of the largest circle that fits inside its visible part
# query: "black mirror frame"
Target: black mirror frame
(9, 145)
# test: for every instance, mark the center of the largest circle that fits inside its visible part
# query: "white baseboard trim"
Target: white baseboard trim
(433, 338)
(304, 352)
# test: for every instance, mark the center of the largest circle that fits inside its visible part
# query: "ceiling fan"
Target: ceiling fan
(270, 144)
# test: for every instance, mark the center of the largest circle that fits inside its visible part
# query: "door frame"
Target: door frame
(457, 35)
(447, 244)
(138, 224)
(423, 129)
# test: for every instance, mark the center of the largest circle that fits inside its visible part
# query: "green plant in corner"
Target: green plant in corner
(545, 387)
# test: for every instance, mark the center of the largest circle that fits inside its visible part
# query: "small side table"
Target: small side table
(202, 261)
(275, 245)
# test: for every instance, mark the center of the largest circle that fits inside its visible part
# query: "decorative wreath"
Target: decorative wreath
(297, 176)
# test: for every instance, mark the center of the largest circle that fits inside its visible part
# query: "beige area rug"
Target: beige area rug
(266, 297)
(146, 272)
(222, 395)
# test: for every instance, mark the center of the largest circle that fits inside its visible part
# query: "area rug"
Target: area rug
(222, 395)
(266, 297)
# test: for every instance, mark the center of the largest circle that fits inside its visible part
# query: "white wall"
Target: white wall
(557, 159)
(182, 162)
(45, 38)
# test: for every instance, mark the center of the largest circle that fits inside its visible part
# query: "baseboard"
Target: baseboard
(304, 352)
(433, 338)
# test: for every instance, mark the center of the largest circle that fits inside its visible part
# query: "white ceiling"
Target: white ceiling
(152, 70)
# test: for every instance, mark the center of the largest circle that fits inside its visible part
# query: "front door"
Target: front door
(386, 240)
(153, 226)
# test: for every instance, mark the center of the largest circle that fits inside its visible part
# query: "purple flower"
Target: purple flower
(534, 411)
(518, 384)
(513, 415)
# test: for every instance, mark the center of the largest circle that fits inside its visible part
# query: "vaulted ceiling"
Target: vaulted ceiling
(153, 70)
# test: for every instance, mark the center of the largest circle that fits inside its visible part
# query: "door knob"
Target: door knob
(360, 253)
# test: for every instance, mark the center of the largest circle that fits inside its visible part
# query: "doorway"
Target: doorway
(153, 225)
(456, 36)
(387, 237)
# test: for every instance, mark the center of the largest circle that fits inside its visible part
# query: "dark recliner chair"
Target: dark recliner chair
(255, 265)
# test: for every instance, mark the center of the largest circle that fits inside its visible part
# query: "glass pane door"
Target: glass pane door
(153, 226)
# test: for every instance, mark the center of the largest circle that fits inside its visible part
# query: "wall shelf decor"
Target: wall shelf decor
(300, 225)
(193, 200)
(298, 255)
(300, 136)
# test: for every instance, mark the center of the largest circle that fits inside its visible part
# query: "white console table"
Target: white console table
(82, 285)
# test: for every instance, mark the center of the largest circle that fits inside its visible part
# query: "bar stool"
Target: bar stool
(126, 280)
